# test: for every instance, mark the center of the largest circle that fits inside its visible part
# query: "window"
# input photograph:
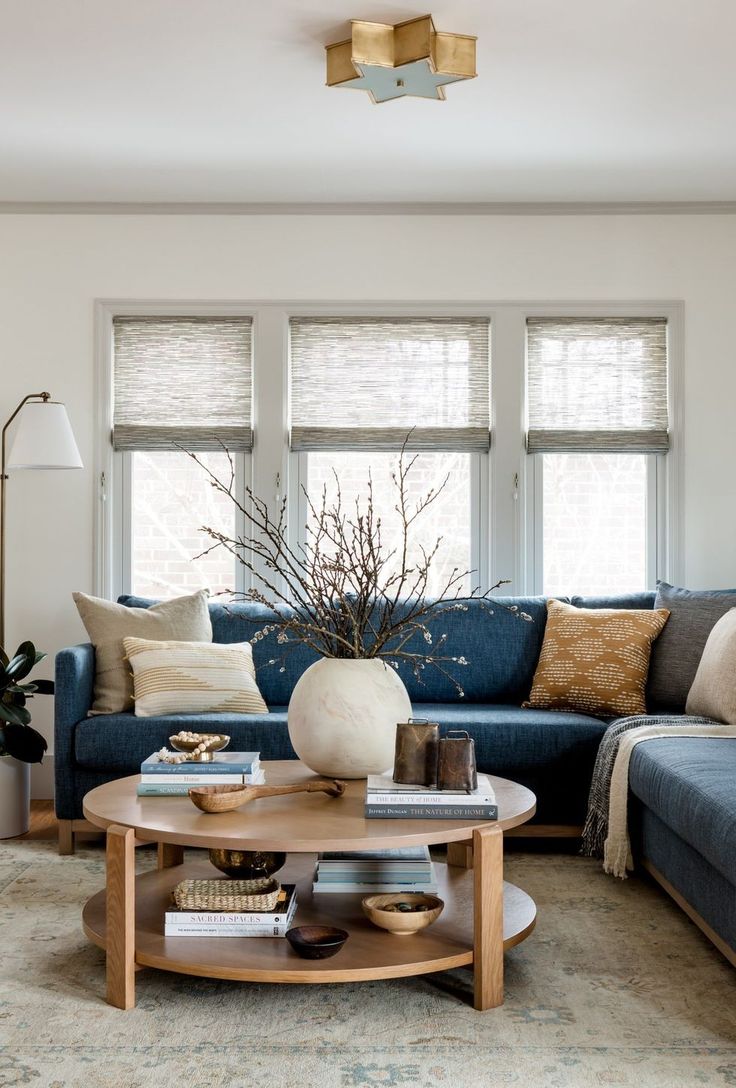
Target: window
(598, 422)
(359, 386)
(180, 384)
(594, 523)
(577, 493)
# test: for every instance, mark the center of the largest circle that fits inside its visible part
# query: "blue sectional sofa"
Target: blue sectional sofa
(551, 752)
(683, 827)
(684, 789)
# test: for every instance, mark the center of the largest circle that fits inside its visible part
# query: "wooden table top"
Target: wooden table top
(301, 822)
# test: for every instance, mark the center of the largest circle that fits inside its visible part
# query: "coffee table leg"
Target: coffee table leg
(460, 854)
(488, 917)
(169, 854)
(121, 916)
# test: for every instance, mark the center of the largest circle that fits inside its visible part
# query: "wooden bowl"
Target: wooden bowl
(316, 942)
(218, 798)
(402, 923)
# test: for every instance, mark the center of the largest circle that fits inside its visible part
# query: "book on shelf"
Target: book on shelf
(407, 855)
(431, 812)
(370, 876)
(179, 788)
(382, 786)
(195, 779)
(389, 800)
(200, 923)
(221, 763)
(373, 889)
(376, 871)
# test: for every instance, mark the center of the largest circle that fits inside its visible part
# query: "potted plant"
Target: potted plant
(20, 744)
(362, 605)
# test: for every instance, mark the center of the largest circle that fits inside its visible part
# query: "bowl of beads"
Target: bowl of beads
(402, 913)
(196, 747)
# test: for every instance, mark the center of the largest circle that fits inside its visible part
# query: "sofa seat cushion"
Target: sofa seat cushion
(509, 738)
(120, 742)
(690, 784)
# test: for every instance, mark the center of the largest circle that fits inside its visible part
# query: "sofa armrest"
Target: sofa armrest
(75, 681)
(74, 691)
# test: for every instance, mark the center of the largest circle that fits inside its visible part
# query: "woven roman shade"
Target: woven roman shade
(360, 383)
(182, 381)
(597, 385)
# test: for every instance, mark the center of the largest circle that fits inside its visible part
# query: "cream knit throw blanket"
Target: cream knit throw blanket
(617, 850)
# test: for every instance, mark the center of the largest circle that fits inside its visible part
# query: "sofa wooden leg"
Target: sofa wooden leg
(66, 836)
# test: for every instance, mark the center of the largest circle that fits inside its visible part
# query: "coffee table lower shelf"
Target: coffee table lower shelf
(370, 953)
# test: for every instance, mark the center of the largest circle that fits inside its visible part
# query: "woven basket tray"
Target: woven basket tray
(227, 895)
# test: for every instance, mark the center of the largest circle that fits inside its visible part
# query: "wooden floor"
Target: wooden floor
(43, 822)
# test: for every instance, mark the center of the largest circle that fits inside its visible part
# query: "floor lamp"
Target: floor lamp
(43, 439)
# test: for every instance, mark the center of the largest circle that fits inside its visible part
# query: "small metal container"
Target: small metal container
(415, 761)
(456, 768)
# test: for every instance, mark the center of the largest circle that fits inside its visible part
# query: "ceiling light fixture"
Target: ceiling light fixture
(392, 61)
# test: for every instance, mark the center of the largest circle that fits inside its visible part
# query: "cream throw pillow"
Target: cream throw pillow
(595, 660)
(193, 678)
(107, 623)
(713, 693)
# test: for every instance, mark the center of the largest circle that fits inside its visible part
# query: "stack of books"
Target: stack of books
(389, 800)
(159, 779)
(267, 923)
(404, 870)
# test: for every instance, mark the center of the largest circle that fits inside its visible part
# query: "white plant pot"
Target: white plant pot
(343, 714)
(15, 797)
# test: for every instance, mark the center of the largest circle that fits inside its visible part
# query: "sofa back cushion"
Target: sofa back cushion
(644, 599)
(240, 622)
(500, 646)
(501, 649)
(677, 653)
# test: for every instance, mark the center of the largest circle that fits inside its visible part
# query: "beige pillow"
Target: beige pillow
(595, 660)
(193, 678)
(713, 693)
(107, 623)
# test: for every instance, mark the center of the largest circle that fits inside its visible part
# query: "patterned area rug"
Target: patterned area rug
(615, 987)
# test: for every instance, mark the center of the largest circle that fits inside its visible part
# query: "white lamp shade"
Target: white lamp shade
(44, 438)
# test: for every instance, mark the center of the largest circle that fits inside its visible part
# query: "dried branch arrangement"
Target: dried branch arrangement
(344, 593)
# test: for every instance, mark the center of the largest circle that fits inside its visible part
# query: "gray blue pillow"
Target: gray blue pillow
(676, 653)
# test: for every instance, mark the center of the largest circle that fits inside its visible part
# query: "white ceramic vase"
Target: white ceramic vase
(343, 714)
(15, 797)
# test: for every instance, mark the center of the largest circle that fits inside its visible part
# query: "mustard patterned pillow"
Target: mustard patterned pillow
(595, 660)
(193, 678)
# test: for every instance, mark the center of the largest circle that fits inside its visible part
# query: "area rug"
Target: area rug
(614, 987)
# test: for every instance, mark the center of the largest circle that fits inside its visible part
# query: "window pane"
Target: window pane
(171, 500)
(448, 516)
(594, 523)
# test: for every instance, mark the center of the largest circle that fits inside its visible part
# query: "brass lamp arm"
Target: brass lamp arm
(3, 477)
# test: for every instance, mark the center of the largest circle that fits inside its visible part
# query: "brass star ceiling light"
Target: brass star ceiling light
(410, 58)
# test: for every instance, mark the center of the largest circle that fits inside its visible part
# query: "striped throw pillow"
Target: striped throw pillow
(193, 678)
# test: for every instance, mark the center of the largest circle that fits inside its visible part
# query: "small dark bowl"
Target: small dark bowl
(316, 942)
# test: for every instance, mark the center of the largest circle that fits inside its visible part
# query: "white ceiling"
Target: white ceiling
(224, 101)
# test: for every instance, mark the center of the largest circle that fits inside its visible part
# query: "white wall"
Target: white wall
(53, 267)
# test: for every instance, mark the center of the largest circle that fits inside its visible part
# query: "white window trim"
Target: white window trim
(504, 490)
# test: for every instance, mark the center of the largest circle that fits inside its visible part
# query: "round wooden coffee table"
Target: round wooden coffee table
(483, 916)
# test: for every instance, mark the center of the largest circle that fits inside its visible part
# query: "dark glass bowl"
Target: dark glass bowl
(247, 864)
(316, 942)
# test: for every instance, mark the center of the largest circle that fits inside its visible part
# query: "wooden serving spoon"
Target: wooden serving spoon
(226, 798)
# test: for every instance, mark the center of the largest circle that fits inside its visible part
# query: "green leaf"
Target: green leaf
(24, 743)
(44, 687)
(3, 658)
(16, 715)
(25, 659)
